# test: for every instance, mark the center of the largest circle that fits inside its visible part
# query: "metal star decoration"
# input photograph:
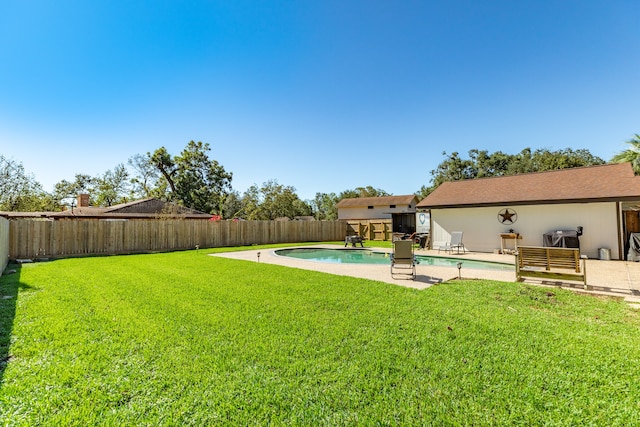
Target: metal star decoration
(506, 216)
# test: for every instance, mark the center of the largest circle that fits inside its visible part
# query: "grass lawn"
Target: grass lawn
(187, 339)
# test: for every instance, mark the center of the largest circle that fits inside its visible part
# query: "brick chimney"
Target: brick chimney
(83, 200)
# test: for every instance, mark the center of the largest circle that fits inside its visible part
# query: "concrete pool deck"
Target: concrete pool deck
(612, 278)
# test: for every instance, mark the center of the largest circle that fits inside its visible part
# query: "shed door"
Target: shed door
(631, 225)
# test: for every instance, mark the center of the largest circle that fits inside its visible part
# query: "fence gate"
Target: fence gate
(370, 229)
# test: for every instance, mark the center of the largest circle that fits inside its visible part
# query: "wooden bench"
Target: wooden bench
(551, 263)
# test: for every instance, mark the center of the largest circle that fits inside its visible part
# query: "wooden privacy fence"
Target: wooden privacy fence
(371, 229)
(4, 244)
(52, 239)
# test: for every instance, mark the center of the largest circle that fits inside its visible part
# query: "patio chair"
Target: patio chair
(454, 243)
(403, 262)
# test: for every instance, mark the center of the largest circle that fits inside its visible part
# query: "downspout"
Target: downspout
(621, 232)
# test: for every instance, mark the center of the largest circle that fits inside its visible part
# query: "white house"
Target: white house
(603, 200)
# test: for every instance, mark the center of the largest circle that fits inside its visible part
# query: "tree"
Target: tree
(454, 168)
(324, 206)
(146, 181)
(20, 192)
(250, 203)
(232, 205)
(483, 164)
(367, 191)
(201, 183)
(632, 154)
(113, 187)
(272, 201)
(545, 160)
(65, 192)
(278, 201)
(522, 163)
(194, 180)
(163, 162)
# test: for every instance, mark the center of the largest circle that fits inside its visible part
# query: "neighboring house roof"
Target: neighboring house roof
(139, 209)
(387, 201)
(611, 182)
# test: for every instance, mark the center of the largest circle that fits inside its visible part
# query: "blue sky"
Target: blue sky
(323, 95)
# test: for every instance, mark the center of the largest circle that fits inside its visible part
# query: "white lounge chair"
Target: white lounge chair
(454, 243)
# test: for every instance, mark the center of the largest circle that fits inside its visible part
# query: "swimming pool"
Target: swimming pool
(366, 256)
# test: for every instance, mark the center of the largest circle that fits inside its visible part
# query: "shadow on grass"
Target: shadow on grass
(9, 287)
(578, 287)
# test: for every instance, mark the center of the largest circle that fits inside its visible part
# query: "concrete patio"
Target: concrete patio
(612, 278)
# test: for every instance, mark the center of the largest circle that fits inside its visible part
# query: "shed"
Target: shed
(604, 200)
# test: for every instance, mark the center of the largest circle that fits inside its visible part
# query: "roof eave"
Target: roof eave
(534, 202)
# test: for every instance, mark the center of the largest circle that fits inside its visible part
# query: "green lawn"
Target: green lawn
(187, 339)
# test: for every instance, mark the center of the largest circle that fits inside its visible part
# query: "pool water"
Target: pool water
(366, 256)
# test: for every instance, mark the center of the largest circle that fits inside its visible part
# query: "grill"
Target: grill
(561, 239)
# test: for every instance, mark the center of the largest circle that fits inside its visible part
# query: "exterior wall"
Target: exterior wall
(481, 227)
(4, 244)
(378, 212)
